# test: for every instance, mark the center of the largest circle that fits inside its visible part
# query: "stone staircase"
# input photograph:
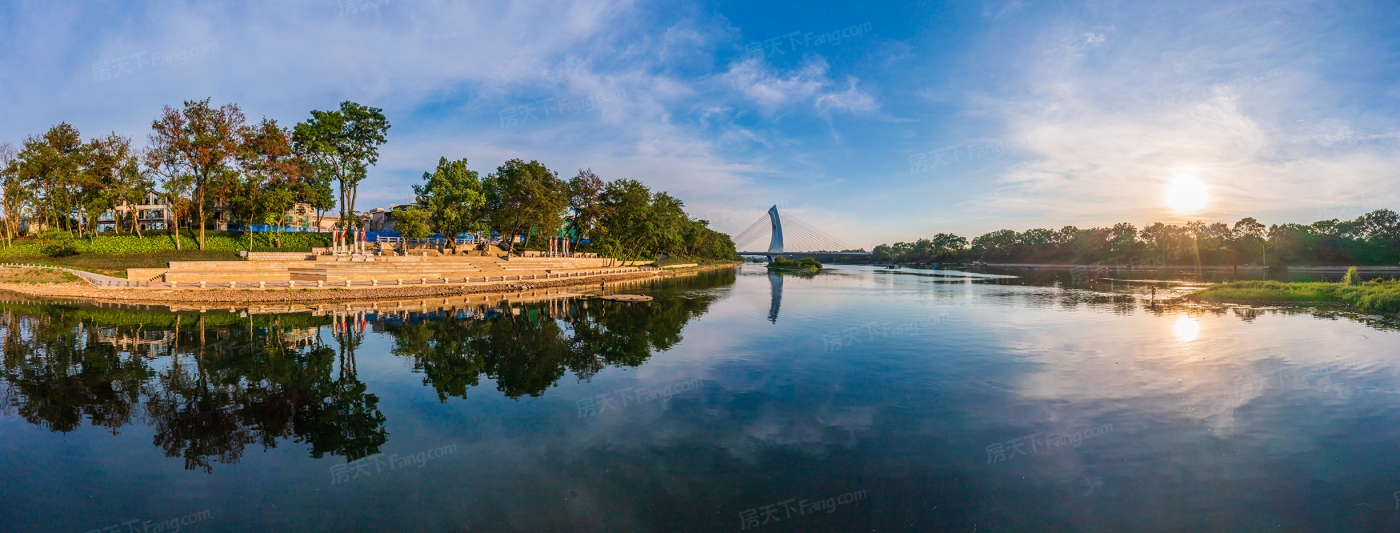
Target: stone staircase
(264, 269)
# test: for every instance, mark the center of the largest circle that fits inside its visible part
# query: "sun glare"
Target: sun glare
(1186, 194)
(1186, 329)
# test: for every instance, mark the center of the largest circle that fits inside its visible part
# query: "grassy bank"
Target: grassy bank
(1375, 296)
(32, 276)
(116, 264)
(60, 244)
(113, 254)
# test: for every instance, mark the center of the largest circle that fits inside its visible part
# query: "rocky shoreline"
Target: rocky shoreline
(143, 295)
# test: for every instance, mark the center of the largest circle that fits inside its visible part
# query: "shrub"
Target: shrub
(805, 263)
(58, 249)
(1352, 278)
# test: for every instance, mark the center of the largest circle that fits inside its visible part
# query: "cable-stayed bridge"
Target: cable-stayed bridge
(789, 236)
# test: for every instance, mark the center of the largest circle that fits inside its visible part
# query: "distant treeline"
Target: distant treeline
(1372, 239)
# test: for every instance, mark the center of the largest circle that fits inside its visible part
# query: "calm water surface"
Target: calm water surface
(859, 399)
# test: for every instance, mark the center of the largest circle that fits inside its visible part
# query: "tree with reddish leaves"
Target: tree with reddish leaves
(200, 143)
(266, 187)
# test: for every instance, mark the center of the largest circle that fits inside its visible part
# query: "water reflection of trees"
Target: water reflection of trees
(527, 349)
(211, 385)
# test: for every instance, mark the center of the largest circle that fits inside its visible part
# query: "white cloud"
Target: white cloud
(1097, 152)
(771, 92)
(852, 99)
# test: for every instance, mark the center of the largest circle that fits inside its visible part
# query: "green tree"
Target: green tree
(1249, 239)
(316, 192)
(452, 196)
(524, 198)
(625, 218)
(342, 145)
(112, 178)
(51, 164)
(411, 222)
(585, 207)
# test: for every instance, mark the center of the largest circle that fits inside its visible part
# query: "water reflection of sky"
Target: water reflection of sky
(978, 403)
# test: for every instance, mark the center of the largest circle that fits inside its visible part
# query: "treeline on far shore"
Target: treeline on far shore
(1371, 239)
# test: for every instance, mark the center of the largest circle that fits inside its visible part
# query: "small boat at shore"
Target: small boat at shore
(626, 297)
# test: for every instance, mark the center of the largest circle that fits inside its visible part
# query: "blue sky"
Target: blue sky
(877, 122)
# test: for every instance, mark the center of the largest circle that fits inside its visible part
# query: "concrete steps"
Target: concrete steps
(279, 268)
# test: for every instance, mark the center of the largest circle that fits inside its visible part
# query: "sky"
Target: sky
(873, 121)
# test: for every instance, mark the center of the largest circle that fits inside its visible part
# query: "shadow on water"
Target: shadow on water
(211, 384)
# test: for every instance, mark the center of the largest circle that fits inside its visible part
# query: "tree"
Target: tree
(452, 197)
(700, 241)
(200, 142)
(667, 225)
(316, 192)
(625, 214)
(1122, 239)
(342, 145)
(411, 222)
(270, 174)
(635, 223)
(1249, 236)
(14, 195)
(112, 178)
(521, 197)
(585, 208)
(995, 245)
(50, 164)
(174, 182)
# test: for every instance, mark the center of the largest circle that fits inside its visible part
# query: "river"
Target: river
(856, 399)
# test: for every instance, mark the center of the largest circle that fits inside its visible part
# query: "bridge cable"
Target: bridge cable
(760, 229)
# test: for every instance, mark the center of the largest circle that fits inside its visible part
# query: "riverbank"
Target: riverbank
(282, 295)
(1234, 268)
(1381, 297)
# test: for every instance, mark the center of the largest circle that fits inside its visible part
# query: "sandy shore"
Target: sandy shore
(225, 296)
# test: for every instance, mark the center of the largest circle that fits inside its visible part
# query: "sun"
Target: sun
(1186, 329)
(1186, 194)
